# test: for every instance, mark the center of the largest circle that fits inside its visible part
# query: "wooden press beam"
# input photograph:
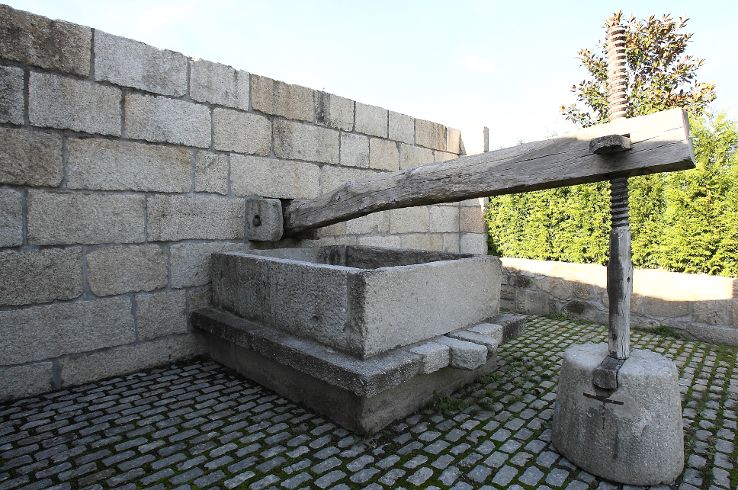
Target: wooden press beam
(660, 143)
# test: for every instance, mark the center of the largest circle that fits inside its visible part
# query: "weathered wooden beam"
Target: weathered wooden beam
(659, 143)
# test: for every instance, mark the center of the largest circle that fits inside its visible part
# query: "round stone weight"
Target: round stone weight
(633, 435)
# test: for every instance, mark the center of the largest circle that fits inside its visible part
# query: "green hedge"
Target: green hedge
(683, 221)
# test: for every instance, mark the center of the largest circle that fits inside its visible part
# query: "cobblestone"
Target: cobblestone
(197, 424)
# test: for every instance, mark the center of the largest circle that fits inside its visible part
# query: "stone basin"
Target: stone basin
(362, 301)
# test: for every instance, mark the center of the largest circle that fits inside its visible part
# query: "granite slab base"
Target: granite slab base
(362, 395)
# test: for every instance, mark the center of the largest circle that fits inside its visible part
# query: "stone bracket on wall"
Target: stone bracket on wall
(641, 145)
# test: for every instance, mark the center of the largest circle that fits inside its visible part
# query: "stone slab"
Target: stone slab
(219, 84)
(362, 395)
(68, 103)
(104, 164)
(30, 158)
(282, 99)
(274, 178)
(241, 132)
(199, 216)
(464, 354)
(41, 332)
(50, 44)
(40, 276)
(161, 119)
(334, 111)
(11, 95)
(134, 64)
(435, 356)
(636, 437)
(476, 338)
(70, 218)
(25, 380)
(126, 268)
(160, 314)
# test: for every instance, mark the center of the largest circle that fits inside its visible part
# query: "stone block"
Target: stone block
(435, 356)
(83, 368)
(65, 218)
(401, 128)
(270, 177)
(444, 219)
(493, 330)
(42, 332)
(714, 334)
(26, 380)
(430, 134)
(219, 84)
(160, 314)
(67, 103)
(51, 44)
(638, 439)
(471, 220)
(264, 220)
(477, 202)
(371, 120)
(333, 177)
(134, 64)
(354, 150)
(198, 298)
(464, 355)
(30, 158)
(334, 111)
(105, 164)
(11, 218)
(422, 241)
(443, 156)
(375, 223)
(477, 338)
(657, 307)
(40, 276)
(241, 132)
(126, 268)
(383, 154)
(391, 241)
(160, 119)
(190, 261)
(473, 243)
(413, 156)
(454, 143)
(282, 99)
(716, 312)
(185, 217)
(361, 301)
(409, 220)
(211, 172)
(297, 141)
(11, 95)
(450, 242)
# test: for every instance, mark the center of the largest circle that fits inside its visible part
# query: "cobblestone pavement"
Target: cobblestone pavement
(198, 425)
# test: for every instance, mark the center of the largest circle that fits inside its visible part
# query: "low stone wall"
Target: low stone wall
(703, 306)
(123, 167)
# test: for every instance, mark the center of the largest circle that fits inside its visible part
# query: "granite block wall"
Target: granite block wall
(124, 166)
(701, 306)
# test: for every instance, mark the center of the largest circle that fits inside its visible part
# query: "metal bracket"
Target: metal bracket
(612, 143)
(264, 219)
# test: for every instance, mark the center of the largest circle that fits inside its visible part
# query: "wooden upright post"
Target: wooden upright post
(620, 266)
(486, 139)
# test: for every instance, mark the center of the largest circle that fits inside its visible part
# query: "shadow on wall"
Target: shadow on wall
(705, 307)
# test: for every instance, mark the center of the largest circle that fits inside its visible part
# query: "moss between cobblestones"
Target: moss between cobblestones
(500, 421)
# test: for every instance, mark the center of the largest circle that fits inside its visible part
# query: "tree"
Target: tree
(660, 73)
(670, 213)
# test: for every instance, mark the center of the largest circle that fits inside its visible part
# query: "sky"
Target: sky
(467, 64)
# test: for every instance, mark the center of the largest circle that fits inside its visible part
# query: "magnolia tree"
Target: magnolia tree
(687, 221)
